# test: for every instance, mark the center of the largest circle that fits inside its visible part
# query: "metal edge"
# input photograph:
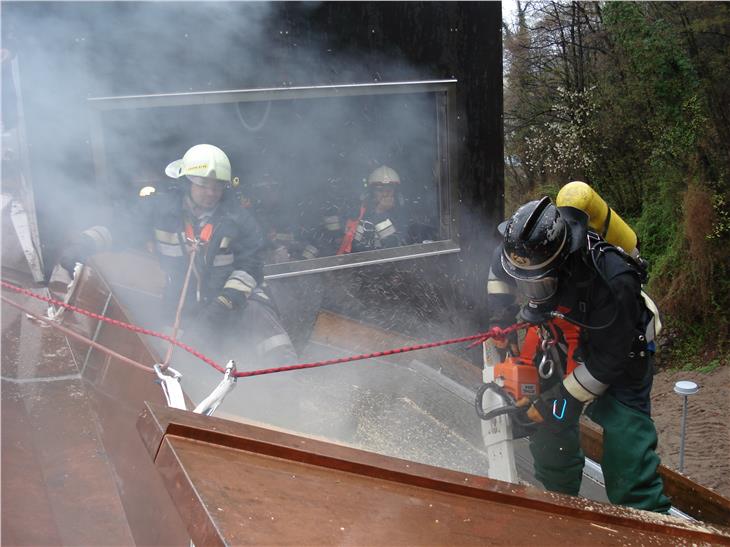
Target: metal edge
(191, 508)
(267, 94)
(341, 262)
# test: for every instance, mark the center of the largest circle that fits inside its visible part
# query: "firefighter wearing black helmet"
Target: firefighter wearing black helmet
(561, 269)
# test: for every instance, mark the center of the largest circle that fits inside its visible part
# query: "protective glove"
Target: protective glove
(78, 251)
(231, 298)
(556, 409)
(217, 313)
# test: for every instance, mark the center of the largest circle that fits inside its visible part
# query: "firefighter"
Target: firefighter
(562, 270)
(226, 303)
(377, 225)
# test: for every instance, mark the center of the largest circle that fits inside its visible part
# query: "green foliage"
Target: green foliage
(657, 230)
(691, 353)
(721, 229)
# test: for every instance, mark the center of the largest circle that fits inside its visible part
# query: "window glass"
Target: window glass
(325, 176)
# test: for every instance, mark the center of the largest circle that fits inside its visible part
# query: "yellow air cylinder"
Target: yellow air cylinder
(581, 196)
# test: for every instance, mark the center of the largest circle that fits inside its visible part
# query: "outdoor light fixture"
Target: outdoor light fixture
(684, 388)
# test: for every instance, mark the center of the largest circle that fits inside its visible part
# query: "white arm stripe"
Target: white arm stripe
(582, 385)
(332, 223)
(223, 260)
(170, 238)
(385, 229)
(241, 281)
(310, 251)
(273, 342)
(495, 286)
(169, 250)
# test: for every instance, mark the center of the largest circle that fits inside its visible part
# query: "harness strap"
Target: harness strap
(205, 234)
(351, 227)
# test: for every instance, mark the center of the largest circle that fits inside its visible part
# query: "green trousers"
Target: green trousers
(629, 458)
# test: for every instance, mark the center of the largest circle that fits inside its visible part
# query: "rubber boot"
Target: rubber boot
(558, 459)
(630, 461)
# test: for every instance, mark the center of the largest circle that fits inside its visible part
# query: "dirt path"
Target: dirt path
(707, 444)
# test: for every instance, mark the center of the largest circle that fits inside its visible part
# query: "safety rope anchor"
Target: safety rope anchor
(60, 275)
(169, 380)
(208, 405)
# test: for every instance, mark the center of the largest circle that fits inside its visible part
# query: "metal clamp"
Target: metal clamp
(56, 313)
(208, 405)
(169, 380)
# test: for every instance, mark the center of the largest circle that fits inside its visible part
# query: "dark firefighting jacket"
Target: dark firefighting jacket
(231, 258)
(617, 348)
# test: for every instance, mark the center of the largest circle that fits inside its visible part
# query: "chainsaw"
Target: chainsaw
(519, 376)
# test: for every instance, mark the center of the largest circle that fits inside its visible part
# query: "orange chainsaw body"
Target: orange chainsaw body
(519, 376)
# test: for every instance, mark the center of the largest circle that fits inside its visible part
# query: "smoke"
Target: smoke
(316, 152)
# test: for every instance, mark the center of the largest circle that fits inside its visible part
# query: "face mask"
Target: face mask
(541, 298)
(538, 290)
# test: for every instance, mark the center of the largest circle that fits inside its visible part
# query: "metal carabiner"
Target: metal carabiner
(546, 367)
(545, 345)
(548, 364)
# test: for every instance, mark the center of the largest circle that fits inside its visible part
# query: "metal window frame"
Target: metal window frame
(447, 182)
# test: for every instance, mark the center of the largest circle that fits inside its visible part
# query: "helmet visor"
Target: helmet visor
(538, 290)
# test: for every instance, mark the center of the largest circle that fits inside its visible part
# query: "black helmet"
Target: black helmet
(537, 241)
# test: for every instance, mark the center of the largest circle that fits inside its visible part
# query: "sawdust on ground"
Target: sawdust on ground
(707, 438)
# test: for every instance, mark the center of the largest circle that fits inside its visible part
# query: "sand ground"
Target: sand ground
(707, 440)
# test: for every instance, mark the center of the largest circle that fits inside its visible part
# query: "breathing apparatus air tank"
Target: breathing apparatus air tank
(601, 218)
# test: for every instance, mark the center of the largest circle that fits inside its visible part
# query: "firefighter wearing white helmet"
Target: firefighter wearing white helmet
(226, 300)
(376, 226)
(202, 161)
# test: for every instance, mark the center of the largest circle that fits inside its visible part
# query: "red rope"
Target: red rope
(494, 332)
(77, 336)
(114, 322)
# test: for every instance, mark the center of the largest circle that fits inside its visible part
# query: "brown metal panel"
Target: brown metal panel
(57, 484)
(71, 470)
(340, 331)
(688, 496)
(28, 519)
(256, 484)
(194, 513)
(694, 499)
(118, 392)
(29, 349)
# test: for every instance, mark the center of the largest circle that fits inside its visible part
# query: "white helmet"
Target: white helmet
(202, 160)
(384, 175)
